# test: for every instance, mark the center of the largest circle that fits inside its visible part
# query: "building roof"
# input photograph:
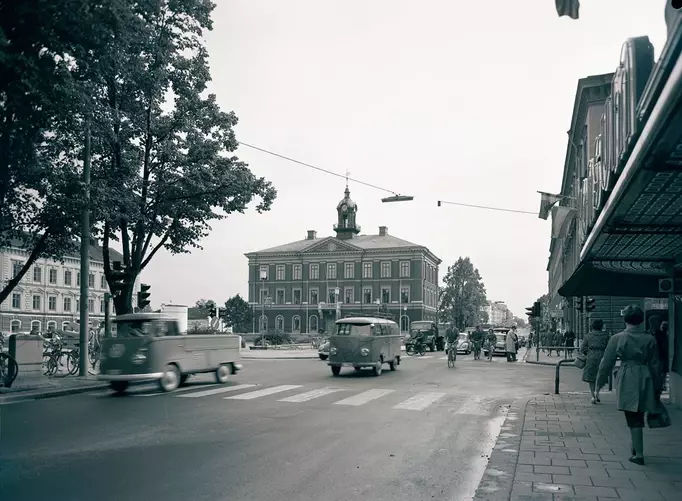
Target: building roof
(95, 251)
(358, 243)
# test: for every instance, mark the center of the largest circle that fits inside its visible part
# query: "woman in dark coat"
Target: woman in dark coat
(593, 348)
(638, 382)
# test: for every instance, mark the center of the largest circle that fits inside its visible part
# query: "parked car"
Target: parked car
(500, 344)
(323, 351)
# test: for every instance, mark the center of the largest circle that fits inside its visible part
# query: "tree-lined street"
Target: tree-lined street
(422, 432)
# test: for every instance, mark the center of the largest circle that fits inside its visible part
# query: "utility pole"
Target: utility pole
(85, 257)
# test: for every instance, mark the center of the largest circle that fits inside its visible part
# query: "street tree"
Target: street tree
(163, 166)
(463, 295)
(201, 308)
(238, 314)
(40, 190)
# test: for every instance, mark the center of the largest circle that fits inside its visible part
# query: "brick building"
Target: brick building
(304, 286)
(48, 296)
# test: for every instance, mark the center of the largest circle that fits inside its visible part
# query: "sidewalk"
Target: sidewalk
(544, 358)
(23, 390)
(562, 447)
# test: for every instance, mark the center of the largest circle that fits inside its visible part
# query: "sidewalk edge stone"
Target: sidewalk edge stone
(29, 395)
(498, 478)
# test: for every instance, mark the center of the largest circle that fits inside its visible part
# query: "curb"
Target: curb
(498, 479)
(29, 395)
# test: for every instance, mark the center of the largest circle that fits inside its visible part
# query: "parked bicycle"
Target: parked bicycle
(9, 368)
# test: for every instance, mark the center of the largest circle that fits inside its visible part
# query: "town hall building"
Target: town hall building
(306, 285)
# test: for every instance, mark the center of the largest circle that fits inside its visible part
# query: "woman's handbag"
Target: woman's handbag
(660, 418)
(580, 361)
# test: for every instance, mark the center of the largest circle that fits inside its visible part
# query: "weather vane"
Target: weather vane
(347, 174)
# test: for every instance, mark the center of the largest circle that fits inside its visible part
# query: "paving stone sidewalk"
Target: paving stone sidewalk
(562, 447)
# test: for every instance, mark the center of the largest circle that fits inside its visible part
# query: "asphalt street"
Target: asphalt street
(281, 430)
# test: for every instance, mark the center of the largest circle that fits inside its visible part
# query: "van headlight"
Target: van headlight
(332, 351)
(140, 357)
(364, 352)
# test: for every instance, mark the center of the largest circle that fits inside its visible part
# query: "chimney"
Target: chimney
(312, 235)
(383, 231)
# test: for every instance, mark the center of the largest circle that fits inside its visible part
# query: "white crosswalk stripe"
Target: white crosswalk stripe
(419, 402)
(364, 397)
(472, 407)
(309, 395)
(262, 393)
(443, 358)
(216, 391)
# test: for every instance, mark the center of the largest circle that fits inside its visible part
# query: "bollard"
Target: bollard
(556, 375)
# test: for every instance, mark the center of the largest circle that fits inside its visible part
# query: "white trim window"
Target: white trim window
(349, 270)
(404, 269)
(331, 271)
(314, 271)
(296, 271)
(366, 270)
(386, 270)
(280, 272)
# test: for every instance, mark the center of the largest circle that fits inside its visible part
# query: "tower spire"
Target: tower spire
(347, 175)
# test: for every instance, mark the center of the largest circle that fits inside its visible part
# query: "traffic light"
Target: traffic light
(579, 303)
(212, 312)
(143, 296)
(589, 304)
(537, 309)
(438, 203)
(530, 311)
(117, 278)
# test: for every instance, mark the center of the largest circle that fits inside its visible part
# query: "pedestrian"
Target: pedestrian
(592, 349)
(492, 341)
(638, 381)
(569, 342)
(511, 344)
(660, 333)
(557, 342)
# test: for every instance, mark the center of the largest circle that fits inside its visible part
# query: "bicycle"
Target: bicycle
(415, 349)
(9, 368)
(452, 356)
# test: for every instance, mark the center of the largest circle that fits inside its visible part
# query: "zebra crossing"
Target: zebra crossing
(405, 399)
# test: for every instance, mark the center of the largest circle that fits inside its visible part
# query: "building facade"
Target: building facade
(498, 313)
(306, 285)
(48, 296)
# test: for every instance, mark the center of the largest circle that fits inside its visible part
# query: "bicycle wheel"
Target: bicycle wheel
(422, 350)
(72, 362)
(409, 349)
(451, 362)
(8, 370)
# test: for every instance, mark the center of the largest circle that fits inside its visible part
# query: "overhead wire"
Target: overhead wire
(370, 185)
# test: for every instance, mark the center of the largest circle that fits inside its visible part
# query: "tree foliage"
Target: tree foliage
(40, 194)
(238, 314)
(463, 295)
(162, 164)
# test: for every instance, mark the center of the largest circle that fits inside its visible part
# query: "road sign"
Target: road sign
(215, 322)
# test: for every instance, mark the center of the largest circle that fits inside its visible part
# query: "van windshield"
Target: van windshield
(133, 329)
(355, 329)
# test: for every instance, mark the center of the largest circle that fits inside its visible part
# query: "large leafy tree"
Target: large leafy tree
(463, 295)
(40, 95)
(238, 314)
(163, 168)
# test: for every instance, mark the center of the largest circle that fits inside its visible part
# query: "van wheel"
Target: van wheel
(393, 364)
(170, 379)
(222, 374)
(378, 369)
(336, 370)
(119, 386)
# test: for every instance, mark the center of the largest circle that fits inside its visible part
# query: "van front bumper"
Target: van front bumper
(130, 377)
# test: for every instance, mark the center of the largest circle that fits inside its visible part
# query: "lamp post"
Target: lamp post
(263, 276)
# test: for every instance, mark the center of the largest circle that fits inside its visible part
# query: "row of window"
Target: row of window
(36, 326)
(313, 324)
(348, 271)
(334, 295)
(52, 276)
(36, 303)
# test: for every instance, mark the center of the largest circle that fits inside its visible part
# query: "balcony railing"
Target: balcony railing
(357, 227)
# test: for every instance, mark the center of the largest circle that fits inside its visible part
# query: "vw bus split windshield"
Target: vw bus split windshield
(356, 329)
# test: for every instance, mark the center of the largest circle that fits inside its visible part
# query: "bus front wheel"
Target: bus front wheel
(336, 370)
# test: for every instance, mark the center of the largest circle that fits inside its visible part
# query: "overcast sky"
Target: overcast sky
(466, 101)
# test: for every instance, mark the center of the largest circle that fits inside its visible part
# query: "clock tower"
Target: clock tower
(347, 210)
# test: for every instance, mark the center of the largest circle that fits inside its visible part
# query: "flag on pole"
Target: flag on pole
(547, 202)
(570, 8)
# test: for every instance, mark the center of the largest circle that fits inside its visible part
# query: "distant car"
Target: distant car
(522, 341)
(463, 344)
(323, 351)
(501, 344)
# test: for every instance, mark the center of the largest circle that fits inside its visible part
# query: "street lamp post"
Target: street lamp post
(263, 276)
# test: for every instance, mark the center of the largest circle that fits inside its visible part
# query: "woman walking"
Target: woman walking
(592, 349)
(638, 382)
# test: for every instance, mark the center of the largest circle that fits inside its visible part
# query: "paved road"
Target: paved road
(280, 430)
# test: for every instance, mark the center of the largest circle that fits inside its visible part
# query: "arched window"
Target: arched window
(296, 324)
(51, 326)
(65, 326)
(15, 325)
(404, 323)
(263, 324)
(35, 325)
(279, 323)
(312, 324)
